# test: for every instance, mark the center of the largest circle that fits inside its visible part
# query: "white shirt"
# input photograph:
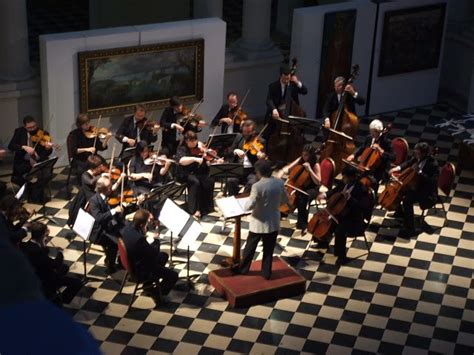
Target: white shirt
(247, 163)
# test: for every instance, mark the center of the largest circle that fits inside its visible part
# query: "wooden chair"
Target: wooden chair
(400, 148)
(328, 168)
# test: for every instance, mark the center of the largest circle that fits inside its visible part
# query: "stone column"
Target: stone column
(256, 26)
(207, 8)
(15, 61)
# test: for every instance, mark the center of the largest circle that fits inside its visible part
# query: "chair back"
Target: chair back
(400, 149)
(328, 167)
(123, 255)
(69, 147)
(446, 178)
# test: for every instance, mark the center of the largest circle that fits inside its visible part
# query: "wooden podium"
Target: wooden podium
(233, 207)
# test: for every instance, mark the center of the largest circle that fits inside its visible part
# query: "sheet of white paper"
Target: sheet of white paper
(191, 235)
(229, 207)
(173, 217)
(243, 202)
(20, 192)
(83, 224)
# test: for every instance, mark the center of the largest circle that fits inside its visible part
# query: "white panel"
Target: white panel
(395, 92)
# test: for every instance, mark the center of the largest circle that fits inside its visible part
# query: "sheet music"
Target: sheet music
(20, 192)
(191, 235)
(232, 207)
(243, 201)
(83, 224)
(173, 217)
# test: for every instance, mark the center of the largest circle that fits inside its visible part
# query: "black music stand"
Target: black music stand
(304, 124)
(40, 176)
(127, 154)
(220, 142)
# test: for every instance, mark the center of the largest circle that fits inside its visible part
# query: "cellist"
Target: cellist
(334, 98)
(425, 191)
(310, 162)
(351, 220)
(380, 142)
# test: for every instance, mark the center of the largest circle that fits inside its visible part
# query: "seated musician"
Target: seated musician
(134, 129)
(277, 97)
(13, 219)
(425, 191)
(352, 219)
(309, 160)
(226, 113)
(238, 154)
(334, 98)
(52, 272)
(193, 170)
(142, 173)
(27, 150)
(379, 141)
(108, 222)
(147, 261)
(82, 144)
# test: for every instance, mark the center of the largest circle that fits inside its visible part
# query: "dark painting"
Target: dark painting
(411, 39)
(336, 51)
(114, 80)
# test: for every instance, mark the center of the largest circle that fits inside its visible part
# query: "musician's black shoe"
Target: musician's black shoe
(343, 260)
(407, 233)
(321, 244)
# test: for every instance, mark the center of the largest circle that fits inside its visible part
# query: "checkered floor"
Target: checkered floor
(403, 296)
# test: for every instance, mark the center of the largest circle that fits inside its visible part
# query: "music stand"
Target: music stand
(220, 142)
(41, 175)
(127, 154)
(83, 227)
(306, 125)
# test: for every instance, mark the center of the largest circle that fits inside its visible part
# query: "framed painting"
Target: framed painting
(411, 39)
(112, 81)
(336, 52)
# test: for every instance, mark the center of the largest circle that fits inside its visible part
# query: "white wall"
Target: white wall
(306, 42)
(394, 92)
(59, 66)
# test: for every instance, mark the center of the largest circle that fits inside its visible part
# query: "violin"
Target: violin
(44, 139)
(188, 116)
(298, 180)
(238, 115)
(94, 132)
(253, 146)
(322, 222)
(127, 197)
(207, 154)
(158, 160)
(149, 125)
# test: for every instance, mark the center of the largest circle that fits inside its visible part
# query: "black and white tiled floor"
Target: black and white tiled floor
(413, 296)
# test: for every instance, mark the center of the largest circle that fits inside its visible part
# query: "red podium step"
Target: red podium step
(253, 288)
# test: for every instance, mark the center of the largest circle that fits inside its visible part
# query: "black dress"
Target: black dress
(78, 141)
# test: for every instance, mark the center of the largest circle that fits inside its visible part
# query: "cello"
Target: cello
(286, 142)
(298, 180)
(340, 142)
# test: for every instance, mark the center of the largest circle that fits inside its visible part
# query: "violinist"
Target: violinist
(142, 173)
(425, 191)
(379, 141)
(108, 222)
(249, 157)
(13, 218)
(84, 143)
(135, 129)
(287, 87)
(227, 112)
(193, 169)
(334, 98)
(171, 126)
(28, 150)
(309, 189)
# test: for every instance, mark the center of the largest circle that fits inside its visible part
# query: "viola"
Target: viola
(298, 180)
(117, 199)
(322, 222)
(253, 145)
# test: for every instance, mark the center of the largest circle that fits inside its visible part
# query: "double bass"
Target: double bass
(286, 143)
(340, 142)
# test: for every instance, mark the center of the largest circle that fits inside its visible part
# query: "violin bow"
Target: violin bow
(241, 105)
(97, 134)
(193, 110)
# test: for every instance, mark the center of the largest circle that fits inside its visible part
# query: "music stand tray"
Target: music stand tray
(220, 142)
(127, 154)
(226, 170)
(306, 125)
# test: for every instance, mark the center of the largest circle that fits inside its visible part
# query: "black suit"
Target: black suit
(425, 193)
(51, 272)
(351, 222)
(106, 228)
(129, 129)
(275, 99)
(332, 103)
(15, 232)
(249, 178)
(21, 164)
(169, 140)
(147, 261)
(224, 111)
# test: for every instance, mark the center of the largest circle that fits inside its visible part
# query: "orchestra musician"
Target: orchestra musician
(352, 219)
(277, 97)
(141, 170)
(147, 260)
(249, 157)
(425, 191)
(334, 98)
(52, 272)
(108, 222)
(28, 150)
(135, 129)
(310, 161)
(11, 220)
(224, 116)
(266, 196)
(193, 170)
(379, 141)
(171, 126)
